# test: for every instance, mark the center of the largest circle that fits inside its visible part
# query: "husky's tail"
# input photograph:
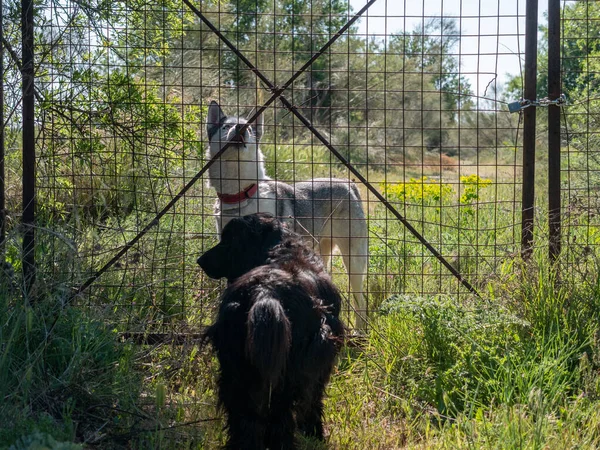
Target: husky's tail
(269, 337)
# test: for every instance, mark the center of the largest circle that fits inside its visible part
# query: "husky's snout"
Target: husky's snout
(236, 136)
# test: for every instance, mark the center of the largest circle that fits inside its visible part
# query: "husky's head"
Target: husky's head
(222, 129)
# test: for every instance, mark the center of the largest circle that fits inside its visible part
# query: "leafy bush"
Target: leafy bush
(471, 188)
(418, 191)
(42, 441)
(453, 350)
(119, 157)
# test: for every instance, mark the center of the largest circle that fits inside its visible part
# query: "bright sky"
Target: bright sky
(489, 44)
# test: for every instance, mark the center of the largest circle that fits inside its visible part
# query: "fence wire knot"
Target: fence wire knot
(276, 90)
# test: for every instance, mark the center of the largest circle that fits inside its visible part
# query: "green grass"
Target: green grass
(516, 370)
(63, 374)
(513, 372)
(439, 369)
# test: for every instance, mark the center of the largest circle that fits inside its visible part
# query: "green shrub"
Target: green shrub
(418, 191)
(449, 351)
(42, 441)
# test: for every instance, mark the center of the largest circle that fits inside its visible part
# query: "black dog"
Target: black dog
(277, 333)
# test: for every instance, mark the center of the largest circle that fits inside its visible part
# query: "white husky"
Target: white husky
(327, 211)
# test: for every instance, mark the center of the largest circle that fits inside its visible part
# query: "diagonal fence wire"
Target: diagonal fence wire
(277, 92)
(324, 141)
(380, 197)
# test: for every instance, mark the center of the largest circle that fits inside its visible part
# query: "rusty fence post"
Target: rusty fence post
(2, 141)
(28, 217)
(554, 111)
(529, 116)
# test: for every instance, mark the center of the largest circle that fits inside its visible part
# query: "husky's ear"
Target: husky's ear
(259, 123)
(215, 117)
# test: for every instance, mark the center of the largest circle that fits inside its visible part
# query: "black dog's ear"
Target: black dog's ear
(273, 235)
(215, 262)
(214, 119)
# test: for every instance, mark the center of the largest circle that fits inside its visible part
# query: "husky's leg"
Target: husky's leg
(354, 252)
(325, 248)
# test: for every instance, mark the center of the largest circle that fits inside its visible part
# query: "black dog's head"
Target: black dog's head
(245, 244)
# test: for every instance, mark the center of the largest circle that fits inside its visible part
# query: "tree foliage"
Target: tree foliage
(120, 89)
(580, 80)
(580, 52)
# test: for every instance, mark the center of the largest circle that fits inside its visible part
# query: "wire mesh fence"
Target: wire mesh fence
(580, 72)
(407, 101)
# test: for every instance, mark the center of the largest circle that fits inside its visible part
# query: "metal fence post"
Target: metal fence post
(28, 217)
(529, 115)
(2, 140)
(554, 129)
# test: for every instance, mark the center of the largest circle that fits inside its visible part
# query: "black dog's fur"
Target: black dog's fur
(277, 333)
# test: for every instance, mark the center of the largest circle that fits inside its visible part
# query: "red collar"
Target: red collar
(240, 196)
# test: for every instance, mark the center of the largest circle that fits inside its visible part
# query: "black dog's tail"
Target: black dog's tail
(269, 337)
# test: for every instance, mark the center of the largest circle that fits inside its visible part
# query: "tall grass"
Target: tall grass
(517, 369)
(63, 373)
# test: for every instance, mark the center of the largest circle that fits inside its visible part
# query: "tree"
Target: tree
(432, 47)
(99, 112)
(580, 76)
(580, 48)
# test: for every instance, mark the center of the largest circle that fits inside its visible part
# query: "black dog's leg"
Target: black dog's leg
(245, 432)
(282, 426)
(310, 421)
(280, 435)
